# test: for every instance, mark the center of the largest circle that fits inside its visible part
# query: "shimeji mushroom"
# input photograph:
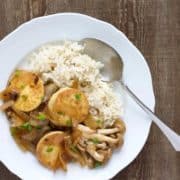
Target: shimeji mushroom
(101, 138)
(108, 131)
(102, 145)
(120, 124)
(91, 149)
(72, 150)
(85, 129)
(98, 143)
(50, 89)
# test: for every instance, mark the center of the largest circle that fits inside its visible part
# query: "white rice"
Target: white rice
(71, 64)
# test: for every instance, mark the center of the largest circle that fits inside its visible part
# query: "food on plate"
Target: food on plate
(49, 150)
(68, 106)
(60, 110)
(26, 89)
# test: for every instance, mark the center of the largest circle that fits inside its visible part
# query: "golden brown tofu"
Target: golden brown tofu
(68, 107)
(49, 150)
(30, 89)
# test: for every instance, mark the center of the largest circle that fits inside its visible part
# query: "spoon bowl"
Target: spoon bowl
(100, 51)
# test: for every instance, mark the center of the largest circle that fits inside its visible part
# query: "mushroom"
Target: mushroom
(8, 94)
(85, 129)
(15, 119)
(101, 138)
(113, 135)
(106, 153)
(91, 149)
(82, 149)
(24, 116)
(61, 162)
(93, 111)
(104, 141)
(81, 144)
(73, 152)
(120, 124)
(76, 135)
(88, 159)
(96, 145)
(108, 131)
(121, 140)
(102, 145)
(6, 105)
(50, 89)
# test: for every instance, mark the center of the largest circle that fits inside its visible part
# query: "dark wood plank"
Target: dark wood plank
(154, 27)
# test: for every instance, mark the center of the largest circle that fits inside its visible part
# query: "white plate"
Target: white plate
(136, 74)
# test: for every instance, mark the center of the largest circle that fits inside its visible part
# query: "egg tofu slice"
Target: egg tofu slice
(49, 150)
(30, 89)
(68, 106)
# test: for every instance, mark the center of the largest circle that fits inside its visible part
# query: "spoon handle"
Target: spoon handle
(173, 137)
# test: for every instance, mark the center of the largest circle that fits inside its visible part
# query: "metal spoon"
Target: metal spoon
(112, 71)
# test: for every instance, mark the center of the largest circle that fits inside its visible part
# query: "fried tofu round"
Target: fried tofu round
(49, 150)
(68, 107)
(30, 89)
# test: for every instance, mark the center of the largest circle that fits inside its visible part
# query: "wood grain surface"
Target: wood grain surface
(154, 27)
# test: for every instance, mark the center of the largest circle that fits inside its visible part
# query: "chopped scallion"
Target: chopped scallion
(24, 97)
(27, 126)
(78, 96)
(69, 122)
(97, 164)
(49, 149)
(41, 116)
(94, 140)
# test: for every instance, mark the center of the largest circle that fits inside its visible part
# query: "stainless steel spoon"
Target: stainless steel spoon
(112, 71)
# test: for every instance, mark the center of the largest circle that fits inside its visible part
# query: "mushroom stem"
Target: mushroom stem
(85, 129)
(49, 90)
(101, 145)
(82, 149)
(24, 116)
(6, 105)
(72, 154)
(120, 125)
(91, 149)
(101, 137)
(106, 153)
(108, 131)
(88, 159)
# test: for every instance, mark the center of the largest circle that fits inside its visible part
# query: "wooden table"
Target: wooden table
(154, 27)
